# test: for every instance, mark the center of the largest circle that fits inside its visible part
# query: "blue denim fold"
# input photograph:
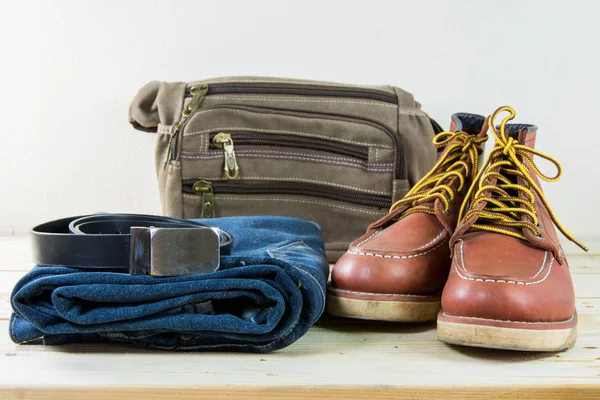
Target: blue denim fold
(266, 295)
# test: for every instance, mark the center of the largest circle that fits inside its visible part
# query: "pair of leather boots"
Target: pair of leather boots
(472, 244)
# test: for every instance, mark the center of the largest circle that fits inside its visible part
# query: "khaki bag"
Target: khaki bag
(335, 154)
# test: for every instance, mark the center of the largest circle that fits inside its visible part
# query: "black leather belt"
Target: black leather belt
(140, 244)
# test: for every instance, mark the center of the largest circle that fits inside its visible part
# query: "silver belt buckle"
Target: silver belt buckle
(173, 251)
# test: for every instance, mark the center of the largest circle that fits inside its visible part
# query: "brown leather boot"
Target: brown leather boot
(397, 269)
(509, 286)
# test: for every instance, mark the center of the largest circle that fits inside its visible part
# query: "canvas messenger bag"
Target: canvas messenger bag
(335, 154)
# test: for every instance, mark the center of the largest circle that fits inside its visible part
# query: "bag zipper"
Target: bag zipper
(300, 90)
(224, 141)
(301, 142)
(197, 92)
(202, 188)
(400, 171)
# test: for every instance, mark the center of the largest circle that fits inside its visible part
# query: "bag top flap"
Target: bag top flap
(157, 103)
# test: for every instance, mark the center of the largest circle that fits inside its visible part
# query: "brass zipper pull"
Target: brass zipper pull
(198, 92)
(204, 189)
(230, 165)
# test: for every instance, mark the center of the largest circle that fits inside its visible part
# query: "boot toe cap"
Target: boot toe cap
(537, 289)
(392, 273)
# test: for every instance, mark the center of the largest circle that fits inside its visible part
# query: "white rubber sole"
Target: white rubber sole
(507, 338)
(397, 309)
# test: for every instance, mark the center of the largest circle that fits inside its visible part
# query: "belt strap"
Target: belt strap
(142, 244)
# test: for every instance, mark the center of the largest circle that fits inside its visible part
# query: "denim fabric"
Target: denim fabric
(265, 296)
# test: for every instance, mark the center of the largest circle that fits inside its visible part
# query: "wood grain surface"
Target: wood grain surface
(337, 359)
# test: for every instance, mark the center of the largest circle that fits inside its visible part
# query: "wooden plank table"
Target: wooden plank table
(337, 359)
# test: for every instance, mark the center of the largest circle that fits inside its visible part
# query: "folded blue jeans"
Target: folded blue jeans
(266, 295)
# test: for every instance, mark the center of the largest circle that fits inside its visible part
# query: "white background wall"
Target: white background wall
(70, 68)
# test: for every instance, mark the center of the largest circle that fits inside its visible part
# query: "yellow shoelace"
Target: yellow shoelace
(502, 208)
(459, 160)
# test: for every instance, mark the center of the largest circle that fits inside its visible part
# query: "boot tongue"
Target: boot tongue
(472, 124)
(525, 134)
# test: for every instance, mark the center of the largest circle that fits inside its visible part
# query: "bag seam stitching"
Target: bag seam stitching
(292, 153)
(294, 180)
(243, 155)
(367, 103)
(366, 144)
(289, 200)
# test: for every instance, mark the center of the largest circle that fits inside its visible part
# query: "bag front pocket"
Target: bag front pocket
(291, 141)
(301, 120)
(333, 169)
(230, 132)
(208, 190)
(275, 146)
(342, 219)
